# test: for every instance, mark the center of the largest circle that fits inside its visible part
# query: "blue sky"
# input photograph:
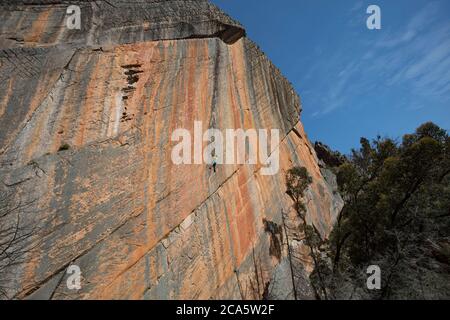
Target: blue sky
(354, 81)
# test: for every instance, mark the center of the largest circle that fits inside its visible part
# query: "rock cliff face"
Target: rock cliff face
(86, 118)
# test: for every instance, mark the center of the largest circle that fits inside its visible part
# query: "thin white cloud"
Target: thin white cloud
(426, 64)
(424, 16)
(416, 24)
(357, 6)
(394, 41)
(414, 59)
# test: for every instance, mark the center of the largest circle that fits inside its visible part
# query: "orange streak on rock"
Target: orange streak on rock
(38, 27)
(4, 101)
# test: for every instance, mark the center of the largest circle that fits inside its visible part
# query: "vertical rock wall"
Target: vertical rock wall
(86, 118)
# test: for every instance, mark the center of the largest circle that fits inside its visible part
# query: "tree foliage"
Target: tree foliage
(396, 215)
(297, 182)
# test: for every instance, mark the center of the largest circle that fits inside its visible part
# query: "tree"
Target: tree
(396, 215)
(297, 182)
(256, 285)
(15, 236)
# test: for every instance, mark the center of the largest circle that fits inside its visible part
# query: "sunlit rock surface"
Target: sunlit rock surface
(86, 118)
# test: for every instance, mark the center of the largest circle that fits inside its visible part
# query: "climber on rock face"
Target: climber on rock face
(214, 162)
